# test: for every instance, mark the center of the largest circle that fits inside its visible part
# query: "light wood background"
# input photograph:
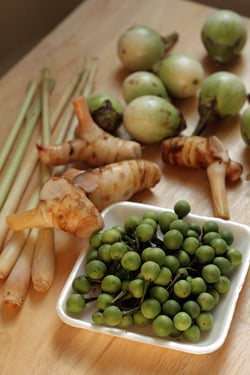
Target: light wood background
(34, 340)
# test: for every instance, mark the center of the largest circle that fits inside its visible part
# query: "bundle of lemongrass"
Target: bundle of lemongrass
(30, 255)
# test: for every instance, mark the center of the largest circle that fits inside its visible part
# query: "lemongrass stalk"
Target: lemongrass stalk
(92, 70)
(31, 122)
(66, 97)
(9, 177)
(11, 252)
(43, 264)
(75, 87)
(85, 88)
(14, 191)
(67, 118)
(17, 283)
(46, 130)
(64, 124)
(13, 248)
(15, 244)
(8, 144)
(63, 102)
(67, 127)
(23, 178)
(15, 194)
(45, 105)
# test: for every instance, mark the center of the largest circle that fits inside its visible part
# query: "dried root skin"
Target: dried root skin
(117, 181)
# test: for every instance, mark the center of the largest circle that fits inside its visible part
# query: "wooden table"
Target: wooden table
(34, 340)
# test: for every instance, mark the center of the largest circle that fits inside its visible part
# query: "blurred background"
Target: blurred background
(25, 22)
(240, 6)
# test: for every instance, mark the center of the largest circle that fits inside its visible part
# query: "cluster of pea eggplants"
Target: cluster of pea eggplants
(159, 270)
(155, 75)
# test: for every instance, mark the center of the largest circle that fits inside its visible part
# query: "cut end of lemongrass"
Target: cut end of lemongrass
(41, 286)
(12, 300)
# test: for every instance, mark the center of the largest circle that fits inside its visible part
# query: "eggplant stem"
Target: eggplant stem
(203, 120)
(170, 40)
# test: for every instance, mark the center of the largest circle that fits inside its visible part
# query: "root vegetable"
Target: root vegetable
(117, 181)
(63, 206)
(92, 145)
(208, 153)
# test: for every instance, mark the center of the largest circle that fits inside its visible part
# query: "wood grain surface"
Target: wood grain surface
(33, 340)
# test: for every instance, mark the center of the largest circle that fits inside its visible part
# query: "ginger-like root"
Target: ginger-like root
(62, 205)
(72, 202)
(92, 144)
(210, 154)
(116, 181)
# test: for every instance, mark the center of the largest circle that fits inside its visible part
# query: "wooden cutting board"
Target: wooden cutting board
(34, 340)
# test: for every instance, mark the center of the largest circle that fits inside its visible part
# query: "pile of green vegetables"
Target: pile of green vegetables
(156, 78)
(161, 270)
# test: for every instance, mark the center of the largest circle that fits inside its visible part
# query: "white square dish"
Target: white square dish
(223, 312)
